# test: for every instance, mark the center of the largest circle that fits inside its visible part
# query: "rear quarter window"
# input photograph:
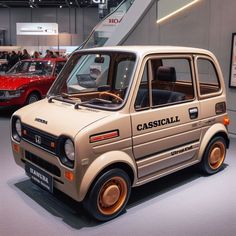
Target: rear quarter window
(208, 77)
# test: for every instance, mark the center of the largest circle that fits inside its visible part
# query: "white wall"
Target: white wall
(76, 22)
(209, 24)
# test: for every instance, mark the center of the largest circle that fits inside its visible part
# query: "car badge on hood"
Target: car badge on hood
(41, 121)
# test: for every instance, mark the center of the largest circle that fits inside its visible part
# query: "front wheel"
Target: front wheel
(108, 195)
(214, 156)
(33, 97)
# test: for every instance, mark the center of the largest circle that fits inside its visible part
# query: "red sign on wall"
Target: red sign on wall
(114, 21)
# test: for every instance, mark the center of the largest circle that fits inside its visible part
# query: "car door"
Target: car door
(43, 80)
(52, 70)
(165, 116)
(210, 92)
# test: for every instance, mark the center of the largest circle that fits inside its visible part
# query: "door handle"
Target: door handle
(193, 113)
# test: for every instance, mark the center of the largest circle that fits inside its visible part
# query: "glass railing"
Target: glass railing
(104, 30)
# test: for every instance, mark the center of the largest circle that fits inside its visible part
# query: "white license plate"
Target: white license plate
(39, 177)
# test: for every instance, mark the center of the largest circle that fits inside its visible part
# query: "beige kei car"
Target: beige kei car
(120, 117)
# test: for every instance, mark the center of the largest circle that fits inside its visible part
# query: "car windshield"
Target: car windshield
(100, 79)
(42, 68)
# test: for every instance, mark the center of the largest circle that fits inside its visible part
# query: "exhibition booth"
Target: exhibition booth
(117, 117)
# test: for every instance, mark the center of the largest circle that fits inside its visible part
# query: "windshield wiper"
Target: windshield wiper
(91, 101)
(63, 95)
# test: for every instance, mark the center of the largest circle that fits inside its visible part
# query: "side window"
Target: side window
(59, 66)
(142, 99)
(123, 74)
(90, 73)
(172, 82)
(208, 78)
(47, 68)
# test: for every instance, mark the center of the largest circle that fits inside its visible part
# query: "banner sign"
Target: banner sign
(36, 28)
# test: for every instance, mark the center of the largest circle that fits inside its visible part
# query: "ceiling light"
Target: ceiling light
(61, 6)
(176, 12)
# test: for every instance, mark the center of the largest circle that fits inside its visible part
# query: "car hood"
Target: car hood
(59, 118)
(13, 82)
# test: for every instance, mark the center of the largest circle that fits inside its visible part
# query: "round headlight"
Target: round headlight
(69, 150)
(18, 127)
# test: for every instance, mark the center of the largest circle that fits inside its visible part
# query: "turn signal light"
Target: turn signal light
(104, 136)
(16, 148)
(69, 175)
(53, 145)
(226, 121)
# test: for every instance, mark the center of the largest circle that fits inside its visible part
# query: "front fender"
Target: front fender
(211, 132)
(33, 89)
(99, 164)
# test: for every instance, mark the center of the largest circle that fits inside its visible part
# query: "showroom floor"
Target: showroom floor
(184, 203)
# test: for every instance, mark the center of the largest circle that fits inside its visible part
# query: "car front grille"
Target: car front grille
(2, 93)
(43, 164)
(41, 139)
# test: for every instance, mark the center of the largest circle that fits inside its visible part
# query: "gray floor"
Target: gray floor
(184, 203)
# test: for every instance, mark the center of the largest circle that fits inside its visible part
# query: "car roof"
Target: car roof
(46, 59)
(145, 50)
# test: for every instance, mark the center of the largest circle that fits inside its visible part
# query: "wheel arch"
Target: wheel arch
(107, 161)
(212, 132)
(36, 91)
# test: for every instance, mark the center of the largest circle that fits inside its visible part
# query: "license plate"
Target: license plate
(39, 177)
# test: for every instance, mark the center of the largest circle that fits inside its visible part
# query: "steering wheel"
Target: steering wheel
(112, 95)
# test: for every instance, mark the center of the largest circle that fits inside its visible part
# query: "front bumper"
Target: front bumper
(12, 102)
(49, 163)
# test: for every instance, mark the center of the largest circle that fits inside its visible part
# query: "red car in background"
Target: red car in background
(28, 81)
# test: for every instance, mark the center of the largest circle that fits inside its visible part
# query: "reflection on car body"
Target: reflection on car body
(120, 117)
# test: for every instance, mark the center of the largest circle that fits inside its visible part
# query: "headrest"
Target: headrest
(165, 73)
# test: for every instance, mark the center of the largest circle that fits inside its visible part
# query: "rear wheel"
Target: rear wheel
(214, 156)
(33, 97)
(109, 195)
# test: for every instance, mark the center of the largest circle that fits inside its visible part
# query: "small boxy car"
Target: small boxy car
(120, 117)
(28, 81)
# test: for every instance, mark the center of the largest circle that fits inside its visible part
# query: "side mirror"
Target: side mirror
(99, 59)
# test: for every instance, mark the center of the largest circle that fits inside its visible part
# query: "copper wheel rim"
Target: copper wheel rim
(217, 155)
(112, 196)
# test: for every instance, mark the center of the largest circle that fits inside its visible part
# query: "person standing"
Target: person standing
(20, 55)
(48, 54)
(36, 55)
(13, 59)
(25, 55)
